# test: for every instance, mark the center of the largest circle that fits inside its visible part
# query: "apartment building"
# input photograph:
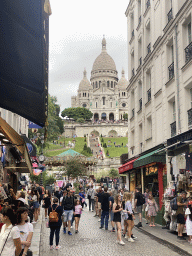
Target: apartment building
(160, 87)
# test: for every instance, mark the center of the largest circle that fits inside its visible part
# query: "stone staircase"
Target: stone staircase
(94, 142)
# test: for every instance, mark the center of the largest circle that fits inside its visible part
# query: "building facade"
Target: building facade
(104, 95)
(159, 90)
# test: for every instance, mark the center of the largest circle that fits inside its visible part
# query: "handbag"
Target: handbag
(5, 241)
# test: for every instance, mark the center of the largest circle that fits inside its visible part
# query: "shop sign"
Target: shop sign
(151, 170)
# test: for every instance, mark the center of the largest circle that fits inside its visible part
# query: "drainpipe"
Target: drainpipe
(177, 79)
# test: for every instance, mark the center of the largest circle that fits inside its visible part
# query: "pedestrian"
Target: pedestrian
(105, 209)
(82, 198)
(152, 210)
(139, 201)
(146, 195)
(117, 208)
(99, 194)
(111, 202)
(47, 201)
(188, 214)
(91, 196)
(96, 204)
(124, 223)
(10, 242)
(26, 231)
(35, 200)
(68, 207)
(55, 212)
(130, 217)
(77, 214)
(181, 203)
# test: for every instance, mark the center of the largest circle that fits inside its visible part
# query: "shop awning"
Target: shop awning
(16, 140)
(127, 166)
(151, 157)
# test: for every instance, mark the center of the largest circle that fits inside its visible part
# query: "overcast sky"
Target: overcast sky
(76, 30)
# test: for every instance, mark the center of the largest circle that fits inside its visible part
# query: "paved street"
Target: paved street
(91, 241)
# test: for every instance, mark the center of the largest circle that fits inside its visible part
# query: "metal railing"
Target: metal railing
(133, 112)
(133, 72)
(140, 104)
(173, 129)
(132, 33)
(188, 52)
(148, 4)
(170, 15)
(140, 61)
(139, 20)
(190, 117)
(149, 48)
(171, 71)
(149, 95)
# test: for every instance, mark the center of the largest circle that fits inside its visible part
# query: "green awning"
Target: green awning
(149, 158)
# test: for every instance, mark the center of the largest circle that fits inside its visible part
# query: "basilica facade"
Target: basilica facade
(104, 95)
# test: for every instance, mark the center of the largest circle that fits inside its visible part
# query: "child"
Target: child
(188, 213)
(152, 211)
(77, 214)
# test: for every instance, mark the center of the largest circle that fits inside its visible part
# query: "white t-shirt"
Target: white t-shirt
(9, 248)
(34, 198)
(24, 231)
(61, 199)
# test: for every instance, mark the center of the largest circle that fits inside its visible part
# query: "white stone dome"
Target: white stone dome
(84, 84)
(104, 60)
(123, 83)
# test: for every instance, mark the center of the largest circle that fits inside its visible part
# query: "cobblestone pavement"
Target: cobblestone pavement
(91, 241)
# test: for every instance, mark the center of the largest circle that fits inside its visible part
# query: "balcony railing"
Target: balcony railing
(190, 118)
(149, 95)
(188, 52)
(140, 104)
(133, 72)
(132, 34)
(170, 15)
(149, 48)
(171, 71)
(148, 4)
(173, 129)
(133, 112)
(140, 61)
(139, 20)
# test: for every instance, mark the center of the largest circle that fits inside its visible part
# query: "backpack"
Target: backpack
(173, 204)
(53, 216)
(142, 199)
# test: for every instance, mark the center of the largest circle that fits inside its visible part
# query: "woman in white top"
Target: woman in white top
(10, 242)
(25, 228)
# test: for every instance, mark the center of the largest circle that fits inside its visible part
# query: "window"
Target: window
(107, 83)
(93, 85)
(189, 32)
(111, 84)
(191, 97)
(88, 94)
(103, 100)
(96, 104)
(96, 85)
(111, 104)
(85, 94)
(124, 105)
(119, 94)
(84, 105)
(149, 128)
(99, 83)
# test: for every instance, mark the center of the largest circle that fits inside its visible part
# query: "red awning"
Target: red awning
(126, 167)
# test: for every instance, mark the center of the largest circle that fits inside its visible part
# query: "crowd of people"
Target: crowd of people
(63, 207)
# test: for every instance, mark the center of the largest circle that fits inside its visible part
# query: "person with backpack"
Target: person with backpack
(55, 212)
(139, 201)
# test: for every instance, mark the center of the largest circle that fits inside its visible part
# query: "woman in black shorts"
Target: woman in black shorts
(47, 201)
(117, 208)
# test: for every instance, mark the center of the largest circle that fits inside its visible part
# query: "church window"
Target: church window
(84, 105)
(119, 94)
(103, 100)
(111, 84)
(124, 105)
(99, 83)
(96, 104)
(96, 85)
(93, 85)
(85, 94)
(88, 94)
(107, 83)
(111, 104)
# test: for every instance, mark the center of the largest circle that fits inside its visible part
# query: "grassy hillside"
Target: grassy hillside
(116, 151)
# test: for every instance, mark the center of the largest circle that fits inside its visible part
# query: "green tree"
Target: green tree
(113, 173)
(125, 116)
(77, 113)
(75, 168)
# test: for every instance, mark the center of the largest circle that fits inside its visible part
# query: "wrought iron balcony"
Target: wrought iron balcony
(133, 112)
(139, 20)
(171, 71)
(149, 95)
(133, 72)
(140, 61)
(173, 129)
(149, 48)
(148, 4)
(133, 33)
(170, 15)
(190, 118)
(188, 52)
(140, 104)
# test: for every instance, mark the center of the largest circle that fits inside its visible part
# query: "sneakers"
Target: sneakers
(99, 220)
(57, 247)
(121, 242)
(51, 247)
(101, 227)
(126, 237)
(134, 237)
(69, 233)
(76, 231)
(123, 235)
(64, 230)
(131, 240)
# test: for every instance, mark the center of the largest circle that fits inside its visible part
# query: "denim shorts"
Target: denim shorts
(68, 215)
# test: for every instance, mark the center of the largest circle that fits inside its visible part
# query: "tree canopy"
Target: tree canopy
(77, 113)
(75, 168)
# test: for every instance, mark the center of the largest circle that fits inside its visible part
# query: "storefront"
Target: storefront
(14, 155)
